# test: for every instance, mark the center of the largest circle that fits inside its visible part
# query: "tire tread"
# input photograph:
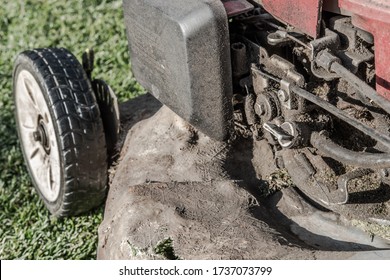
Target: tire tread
(80, 129)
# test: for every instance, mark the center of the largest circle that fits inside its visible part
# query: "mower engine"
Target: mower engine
(310, 77)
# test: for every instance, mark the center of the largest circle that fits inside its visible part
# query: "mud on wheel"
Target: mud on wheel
(60, 130)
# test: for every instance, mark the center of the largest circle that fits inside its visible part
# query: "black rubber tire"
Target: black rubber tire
(78, 129)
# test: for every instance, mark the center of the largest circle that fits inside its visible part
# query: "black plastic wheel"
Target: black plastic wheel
(60, 130)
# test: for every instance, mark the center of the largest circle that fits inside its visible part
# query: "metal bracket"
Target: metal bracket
(286, 97)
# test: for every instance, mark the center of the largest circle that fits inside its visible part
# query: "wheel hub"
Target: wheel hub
(41, 135)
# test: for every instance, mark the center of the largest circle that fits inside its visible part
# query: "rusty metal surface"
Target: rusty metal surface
(305, 15)
(236, 7)
(374, 17)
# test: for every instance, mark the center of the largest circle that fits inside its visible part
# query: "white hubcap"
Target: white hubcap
(37, 135)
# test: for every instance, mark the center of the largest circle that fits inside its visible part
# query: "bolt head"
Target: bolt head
(260, 109)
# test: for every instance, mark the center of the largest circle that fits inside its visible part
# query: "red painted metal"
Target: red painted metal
(236, 7)
(305, 15)
(374, 17)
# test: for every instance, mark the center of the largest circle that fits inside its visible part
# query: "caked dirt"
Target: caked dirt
(175, 190)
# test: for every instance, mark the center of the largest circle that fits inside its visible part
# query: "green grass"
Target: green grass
(27, 230)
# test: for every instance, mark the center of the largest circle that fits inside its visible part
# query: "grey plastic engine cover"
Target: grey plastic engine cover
(180, 52)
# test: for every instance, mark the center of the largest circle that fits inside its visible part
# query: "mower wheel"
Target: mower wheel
(60, 130)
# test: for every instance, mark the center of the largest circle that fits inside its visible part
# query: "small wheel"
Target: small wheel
(60, 130)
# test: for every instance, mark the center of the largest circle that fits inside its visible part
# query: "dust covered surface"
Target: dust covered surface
(174, 185)
(209, 220)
